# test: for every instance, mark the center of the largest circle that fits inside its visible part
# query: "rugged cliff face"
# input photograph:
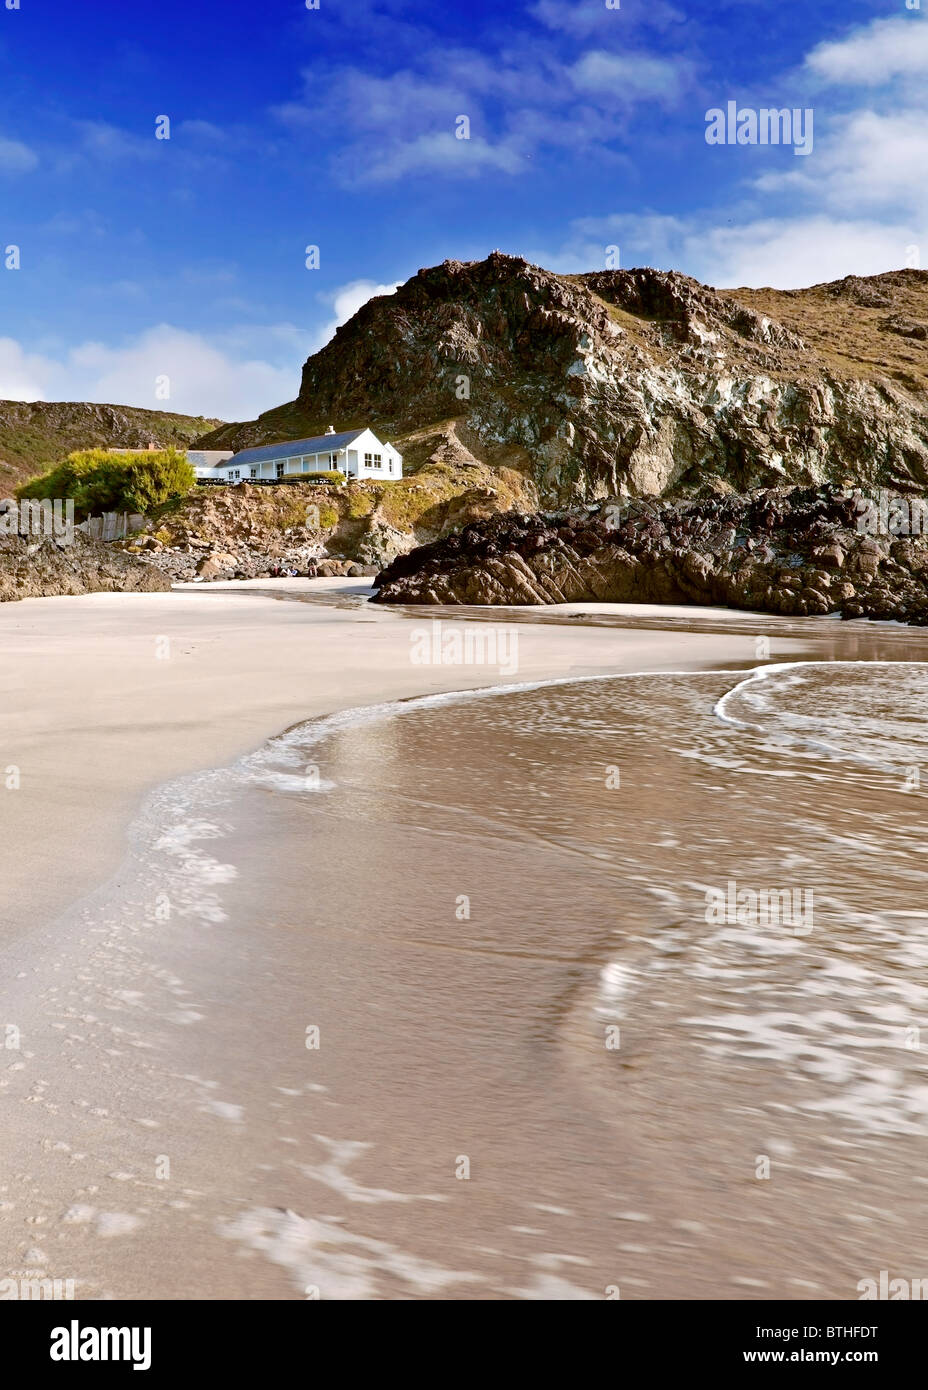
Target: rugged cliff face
(630, 382)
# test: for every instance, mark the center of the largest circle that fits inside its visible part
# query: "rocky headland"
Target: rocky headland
(637, 381)
(793, 551)
(514, 391)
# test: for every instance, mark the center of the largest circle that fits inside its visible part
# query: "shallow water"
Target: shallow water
(483, 997)
(496, 910)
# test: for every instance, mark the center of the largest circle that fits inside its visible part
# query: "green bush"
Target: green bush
(333, 476)
(100, 481)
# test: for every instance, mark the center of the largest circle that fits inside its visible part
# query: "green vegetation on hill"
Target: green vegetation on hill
(36, 435)
(99, 481)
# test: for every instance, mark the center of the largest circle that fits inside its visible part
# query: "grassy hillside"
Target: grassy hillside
(874, 326)
(35, 436)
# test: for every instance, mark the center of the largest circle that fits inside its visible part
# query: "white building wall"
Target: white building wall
(356, 461)
(206, 463)
(368, 448)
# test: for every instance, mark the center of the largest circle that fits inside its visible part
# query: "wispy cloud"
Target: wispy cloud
(582, 18)
(439, 152)
(110, 144)
(874, 155)
(785, 252)
(192, 146)
(523, 97)
(858, 205)
(629, 77)
(876, 54)
(16, 158)
(865, 160)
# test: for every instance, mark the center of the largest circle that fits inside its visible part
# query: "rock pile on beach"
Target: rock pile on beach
(44, 566)
(254, 532)
(797, 552)
(209, 562)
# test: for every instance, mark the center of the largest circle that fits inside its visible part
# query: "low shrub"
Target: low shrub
(101, 481)
(360, 504)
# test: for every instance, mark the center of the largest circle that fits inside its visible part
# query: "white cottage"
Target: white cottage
(356, 453)
(206, 462)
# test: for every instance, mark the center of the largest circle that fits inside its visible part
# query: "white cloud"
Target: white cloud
(204, 378)
(874, 156)
(16, 158)
(587, 17)
(858, 205)
(346, 302)
(21, 373)
(584, 17)
(110, 144)
(875, 55)
(390, 103)
(520, 98)
(207, 129)
(866, 159)
(440, 152)
(783, 252)
(790, 253)
(627, 77)
(194, 146)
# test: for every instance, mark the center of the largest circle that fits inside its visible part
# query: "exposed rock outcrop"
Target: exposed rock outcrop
(630, 381)
(790, 551)
(250, 531)
(44, 566)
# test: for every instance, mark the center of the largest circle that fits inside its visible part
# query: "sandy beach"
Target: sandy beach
(156, 1074)
(107, 696)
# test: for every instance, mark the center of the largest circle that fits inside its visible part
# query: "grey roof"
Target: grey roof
(290, 448)
(207, 458)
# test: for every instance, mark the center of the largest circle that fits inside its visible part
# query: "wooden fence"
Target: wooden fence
(112, 526)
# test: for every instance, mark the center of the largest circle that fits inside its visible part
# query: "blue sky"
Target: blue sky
(335, 127)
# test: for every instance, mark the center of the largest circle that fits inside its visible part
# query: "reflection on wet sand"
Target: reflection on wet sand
(517, 966)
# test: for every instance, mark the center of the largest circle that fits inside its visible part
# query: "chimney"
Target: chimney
(330, 429)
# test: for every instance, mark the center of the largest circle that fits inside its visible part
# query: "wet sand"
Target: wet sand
(94, 715)
(176, 1137)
